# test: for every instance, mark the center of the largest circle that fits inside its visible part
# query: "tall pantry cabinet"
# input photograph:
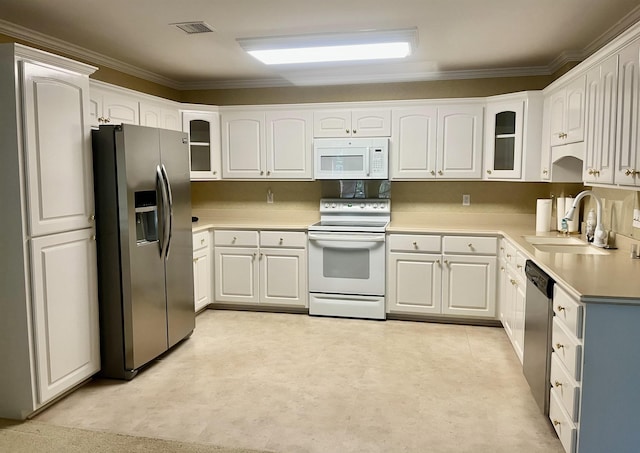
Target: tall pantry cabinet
(49, 339)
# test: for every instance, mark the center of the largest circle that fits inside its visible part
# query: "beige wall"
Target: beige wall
(420, 196)
(618, 205)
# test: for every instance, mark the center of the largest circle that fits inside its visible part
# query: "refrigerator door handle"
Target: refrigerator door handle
(170, 210)
(165, 211)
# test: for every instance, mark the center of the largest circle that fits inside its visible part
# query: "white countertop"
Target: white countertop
(610, 278)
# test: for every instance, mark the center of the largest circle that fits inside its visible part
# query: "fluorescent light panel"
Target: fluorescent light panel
(368, 45)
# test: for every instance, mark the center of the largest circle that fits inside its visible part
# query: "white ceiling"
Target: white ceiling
(456, 38)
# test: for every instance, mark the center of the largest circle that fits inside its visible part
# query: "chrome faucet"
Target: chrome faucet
(599, 234)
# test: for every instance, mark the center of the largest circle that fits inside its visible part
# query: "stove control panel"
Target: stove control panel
(348, 206)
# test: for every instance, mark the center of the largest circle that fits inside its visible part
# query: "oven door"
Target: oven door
(347, 263)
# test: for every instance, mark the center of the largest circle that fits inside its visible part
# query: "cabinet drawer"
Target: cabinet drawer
(565, 387)
(567, 309)
(567, 347)
(235, 238)
(562, 423)
(521, 260)
(295, 239)
(414, 243)
(470, 245)
(200, 240)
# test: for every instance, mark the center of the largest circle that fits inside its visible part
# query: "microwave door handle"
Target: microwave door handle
(367, 161)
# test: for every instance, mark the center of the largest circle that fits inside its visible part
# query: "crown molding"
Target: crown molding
(58, 45)
(616, 30)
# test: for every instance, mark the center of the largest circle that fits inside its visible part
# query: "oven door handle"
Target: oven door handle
(335, 237)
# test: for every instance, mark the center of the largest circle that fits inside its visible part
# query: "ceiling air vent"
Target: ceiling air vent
(194, 27)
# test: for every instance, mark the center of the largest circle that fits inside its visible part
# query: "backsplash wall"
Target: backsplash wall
(407, 196)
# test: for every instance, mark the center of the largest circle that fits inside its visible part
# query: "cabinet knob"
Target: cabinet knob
(557, 384)
(470, 245)
(437, 261)
(433, 172)
(281, 240)
(440, 172)
(234, 239)
(415, 244)
(92, 217)
(93, 237)
(514, 282)
(201, 241)
(629, 172)
(446, 262)
(268, 172)
(215, 172)
(488, 172)
(519, 266)
(254, 255)
(508, 255)
(261, 172)
(501, 268)
(556, 422)
(347, 131)
(261, 255)
(559, 346)
(354, 131)
(545, 171)
(590, 171)
(560, 308)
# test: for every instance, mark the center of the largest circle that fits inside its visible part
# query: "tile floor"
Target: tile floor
(294, 383)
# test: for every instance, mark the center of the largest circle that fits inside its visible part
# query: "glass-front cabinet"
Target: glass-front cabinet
(503, 145)
(204, 143)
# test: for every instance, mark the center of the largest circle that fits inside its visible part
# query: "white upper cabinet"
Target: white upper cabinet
(413, 142)
(274, 144)
(352, 123)
(204, 143)
(58, 150)
(628, 144)
(459, 141)
(243, 145)
(513, 128)
(110, 107)
(289, 144)
(600, 117)
(503, 140)
(567, 113)
(158, 115)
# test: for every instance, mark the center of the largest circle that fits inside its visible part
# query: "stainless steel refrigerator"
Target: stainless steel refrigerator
(145, 252)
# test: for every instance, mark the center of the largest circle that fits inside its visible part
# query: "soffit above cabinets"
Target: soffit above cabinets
(456, 39)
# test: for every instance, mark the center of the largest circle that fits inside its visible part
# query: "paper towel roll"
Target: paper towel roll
(572, 224)
(543, 215)
(560, 211)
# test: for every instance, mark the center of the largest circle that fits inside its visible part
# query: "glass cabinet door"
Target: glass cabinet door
(204, 144)
(503, 140)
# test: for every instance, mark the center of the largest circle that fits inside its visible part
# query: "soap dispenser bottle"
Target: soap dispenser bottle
(590, 225)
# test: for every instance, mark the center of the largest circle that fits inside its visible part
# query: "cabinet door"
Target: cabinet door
(204, 144)
(58, 150)
(201, 278)
(469, 285)
(518, 317)
(236, 271)
(243, 145)
(117, 109)
(459, 142)
(332, 123)
(155, 115)
(413, 143)
(628, 137)
(65, 310)
(600, 121)
(557, 111)
(170, 119)
(574, 117)
(289, 145)
(503, 140)
(283, 277)
(371, 123)
(414, 283)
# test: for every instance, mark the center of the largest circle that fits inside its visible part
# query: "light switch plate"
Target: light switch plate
(466, 200)
(636, 218)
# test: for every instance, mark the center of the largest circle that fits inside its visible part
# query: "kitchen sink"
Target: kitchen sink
(554, 240)
(576, 249)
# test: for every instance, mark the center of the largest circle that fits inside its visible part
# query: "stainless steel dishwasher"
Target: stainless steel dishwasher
(537, 333)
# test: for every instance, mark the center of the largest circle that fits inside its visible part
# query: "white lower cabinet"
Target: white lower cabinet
(202, 265)
(423, 280)
(65, 290)
(266, 267)
(512, 294)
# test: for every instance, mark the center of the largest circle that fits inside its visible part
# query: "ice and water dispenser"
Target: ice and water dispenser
(146, 208)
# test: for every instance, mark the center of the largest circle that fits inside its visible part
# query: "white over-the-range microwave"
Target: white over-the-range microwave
(351, 158)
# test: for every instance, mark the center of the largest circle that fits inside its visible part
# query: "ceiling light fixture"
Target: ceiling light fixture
(327, 47)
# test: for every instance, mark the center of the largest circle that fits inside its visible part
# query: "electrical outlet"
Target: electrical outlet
(269, 196)
(466, 200)
(636, 218)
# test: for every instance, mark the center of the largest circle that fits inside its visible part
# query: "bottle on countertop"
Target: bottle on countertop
(590, 225)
